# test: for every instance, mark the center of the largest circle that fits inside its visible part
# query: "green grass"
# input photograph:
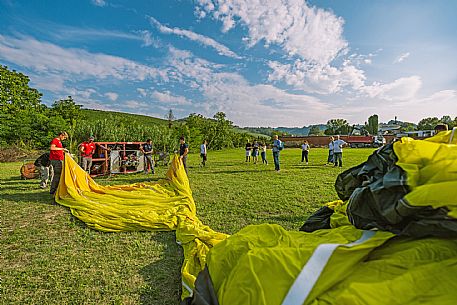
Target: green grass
(50, 257)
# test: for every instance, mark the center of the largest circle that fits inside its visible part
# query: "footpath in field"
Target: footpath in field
(364, 249)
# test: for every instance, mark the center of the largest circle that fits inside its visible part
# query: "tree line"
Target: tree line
(27, 122)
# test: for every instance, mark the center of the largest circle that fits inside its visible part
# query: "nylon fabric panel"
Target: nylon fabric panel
(164, 206)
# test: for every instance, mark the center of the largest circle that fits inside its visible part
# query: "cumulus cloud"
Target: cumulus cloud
(170, 99)
(220, 48)
(401, 89)
(112, 96)
(401, 58)
(241, 101)
(311, 33)
(47, 58)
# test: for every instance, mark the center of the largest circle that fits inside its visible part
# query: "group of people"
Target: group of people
(252, 150)
(335, 151)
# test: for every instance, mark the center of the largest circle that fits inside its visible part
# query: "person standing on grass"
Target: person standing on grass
(203, 152)
(255, 152)
(87, 150)
(277, 147)
(338, 151)
(330, 160)
(46, 172)
(183, 151)
(147, 151)
(248, 152)
(56, 157)
(304, 151)
(263, 153)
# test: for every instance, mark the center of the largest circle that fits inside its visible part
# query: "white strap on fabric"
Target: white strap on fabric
(452, 135)
(312, 270)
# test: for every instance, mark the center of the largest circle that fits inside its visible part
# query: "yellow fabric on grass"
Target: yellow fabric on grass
(431, 168)
(163, 206)
(259, 264)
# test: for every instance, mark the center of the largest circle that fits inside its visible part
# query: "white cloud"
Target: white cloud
(311, 33)
(99, 2)
(221, 49)
(132, 104)
(316, 78)
(48, 58)
(402, 89)
(112, 96)
(168, 98)
(244, 103)
(401, 58)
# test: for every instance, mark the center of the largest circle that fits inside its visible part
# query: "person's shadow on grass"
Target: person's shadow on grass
(163, 276)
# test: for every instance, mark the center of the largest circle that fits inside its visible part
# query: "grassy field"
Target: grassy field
(50, 257)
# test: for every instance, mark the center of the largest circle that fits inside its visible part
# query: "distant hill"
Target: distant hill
(93, 115)
(296, 131)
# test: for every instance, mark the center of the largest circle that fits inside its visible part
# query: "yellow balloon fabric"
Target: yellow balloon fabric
(163, 206)
(431, 168)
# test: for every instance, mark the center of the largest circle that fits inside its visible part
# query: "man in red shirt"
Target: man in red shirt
(87, 150)
(56, 156)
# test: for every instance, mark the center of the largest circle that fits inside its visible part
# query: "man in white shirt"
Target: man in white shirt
(338, 151)
(203, 152)
(304, 151)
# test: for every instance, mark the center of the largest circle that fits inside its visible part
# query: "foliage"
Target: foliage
(428, 123)
(315, 131)
(25, 121)
(170, 118)
(372, 126)
(337, 126)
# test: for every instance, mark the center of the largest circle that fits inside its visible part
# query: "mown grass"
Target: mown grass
(50, 257)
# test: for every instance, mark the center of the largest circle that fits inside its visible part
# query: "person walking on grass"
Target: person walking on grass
(304, 151)
(203, 152)
(330, 157)
(263, 153)
(338, 151)
(147, 151)
(183, 151)
(46, 171)
(248, 152)
(255, 152)
(277, 147)
(56, 156)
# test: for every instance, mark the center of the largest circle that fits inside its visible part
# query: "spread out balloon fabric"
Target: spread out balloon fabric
(164, 206)
(345, 257)
(391, 241)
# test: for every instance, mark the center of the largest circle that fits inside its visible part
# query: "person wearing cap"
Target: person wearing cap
(56, 156)
(87, 150)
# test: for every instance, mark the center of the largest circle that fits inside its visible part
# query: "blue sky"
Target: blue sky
(263, 63)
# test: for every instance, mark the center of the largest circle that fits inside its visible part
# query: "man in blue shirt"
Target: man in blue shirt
(277, 146)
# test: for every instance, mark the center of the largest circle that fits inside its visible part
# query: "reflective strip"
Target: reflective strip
(452, 134)
(187, 288)
(312, 270)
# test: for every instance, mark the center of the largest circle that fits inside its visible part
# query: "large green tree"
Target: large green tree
(428, 123)
(25, 120)
(337, 126)
(373, 124)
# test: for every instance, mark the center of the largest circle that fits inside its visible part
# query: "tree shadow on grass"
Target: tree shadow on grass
(163, 276)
